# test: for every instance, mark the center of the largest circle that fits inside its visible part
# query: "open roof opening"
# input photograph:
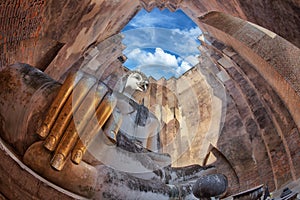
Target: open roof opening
(161, 43)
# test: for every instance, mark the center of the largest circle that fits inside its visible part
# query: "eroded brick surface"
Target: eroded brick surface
(17, 183)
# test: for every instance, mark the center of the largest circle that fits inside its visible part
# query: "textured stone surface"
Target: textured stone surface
(274, 66)
(19, 21)
(27, 104)
(276, 51)
(266, 13)
(266, 128)
(17, 183)
(256, 139)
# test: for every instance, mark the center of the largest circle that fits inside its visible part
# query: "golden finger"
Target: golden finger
(65, 115)
(58, 103)
(88, 106)
(76, 126)
(103, 112)
(67, 143)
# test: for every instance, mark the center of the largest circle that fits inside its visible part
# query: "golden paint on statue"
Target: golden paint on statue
(66, 114)
(102, 114)
(86, 119)
(66, 144)
(58, 103)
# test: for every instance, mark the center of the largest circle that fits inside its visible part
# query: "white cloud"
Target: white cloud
(193, 32)
(192, 59)
(147, 20)
(155, 18)
(159, 57)
(186, 41)
(160, 63)
(176, 49)
(183, 68)
(181, 42)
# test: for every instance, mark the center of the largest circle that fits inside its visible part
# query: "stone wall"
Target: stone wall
(280, 17)
(53, 35)
(254, 136)
(237, 122)
(272, 56)
(259, 138)
(16, 181)
(65, 30)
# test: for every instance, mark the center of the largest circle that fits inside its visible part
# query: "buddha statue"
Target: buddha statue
(77, 135)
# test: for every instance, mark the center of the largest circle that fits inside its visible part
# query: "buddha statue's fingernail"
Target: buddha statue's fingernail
(43, 131)
(50, 143)
(58, 161)
(77, 156)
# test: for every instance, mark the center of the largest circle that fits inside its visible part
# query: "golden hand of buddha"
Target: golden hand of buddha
(79, 112)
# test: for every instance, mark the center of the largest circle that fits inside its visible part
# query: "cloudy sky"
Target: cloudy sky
(161, 43)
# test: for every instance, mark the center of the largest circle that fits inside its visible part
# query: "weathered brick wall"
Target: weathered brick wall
(225, 167)
(65, 29)
(259, 131)
(260, 139)
(281, 17)
(87, 23)
(275, 16)
(265, 52)
(54, 34)
(195, 103)
(20, 21)
(259, 142)
(17, 183)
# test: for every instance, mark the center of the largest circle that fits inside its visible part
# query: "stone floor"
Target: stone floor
(293, 186)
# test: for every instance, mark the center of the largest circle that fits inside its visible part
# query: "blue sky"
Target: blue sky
(161, 43)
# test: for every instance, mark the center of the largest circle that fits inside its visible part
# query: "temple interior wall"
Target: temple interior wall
(245, 89)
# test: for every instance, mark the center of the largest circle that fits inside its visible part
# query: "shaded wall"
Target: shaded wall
(262, 81)
(273, 57)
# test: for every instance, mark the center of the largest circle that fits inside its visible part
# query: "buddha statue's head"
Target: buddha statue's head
(136, 81)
